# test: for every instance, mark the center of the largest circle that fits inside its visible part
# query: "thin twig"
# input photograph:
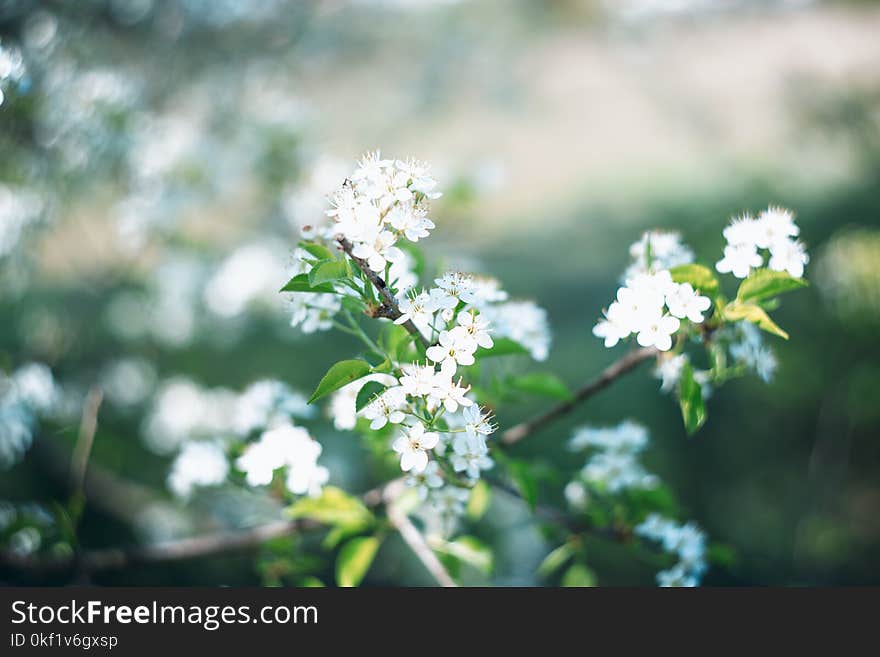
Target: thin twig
(389, 308)
(413, 537)
(88, 425)
(608, 376)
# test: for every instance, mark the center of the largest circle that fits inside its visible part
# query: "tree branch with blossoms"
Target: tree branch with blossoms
(437, 363)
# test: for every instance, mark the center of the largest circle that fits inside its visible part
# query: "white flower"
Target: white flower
(628, 436)
(684, 302)
(478, 423)
(617, 471)
(774, 225)
(470, 456)
(475, 327)
(669, 371)
(413, 446)
(751, 351)
(426, 480)
(284, 445)
(789, 256)
(453, 350)
(314, 312)
(410, 221)
(343, 403)
(637, 306)
(615, 326)
(654, 285)
(742, 230)
(739, 259)
(666, 250)
(487, 290)
(198, 464)
(448, 392)
(386, 408)
(657, 332)
(418, 309)
(576, 495)
(417, 380)
(418, 175)
(377, 249)
(456, 287)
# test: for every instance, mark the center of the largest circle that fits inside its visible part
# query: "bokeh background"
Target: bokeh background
(159, 155)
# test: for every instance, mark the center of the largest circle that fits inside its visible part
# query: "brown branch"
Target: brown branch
(413, 537)
(389, 308)
(186, 548)
(608, 376)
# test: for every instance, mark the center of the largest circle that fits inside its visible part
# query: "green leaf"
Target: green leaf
(320, 251)
(355, 559)
(555, 560)
(735, 311)
(578, 575)
(479, 500)
(342, 373)
(700, 277)
(471, 551)
(300, 283)
(525, 482)
(366, 394)
(397, 341)
(502, 347)
(329, 270)
(333, 507)
(690, 398)
(766, 283)
(543, 384)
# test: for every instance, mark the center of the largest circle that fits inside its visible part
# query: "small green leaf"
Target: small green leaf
(320, 251)
(300, 283)
(735, 311)
(700, 277)
(366, 394)
(541, 383)
(479, 500)
(355, 559)
(690, 397)
(555, 560)
(329, 270)
(525, 482)
(502, 347)
(471, 551)
(342, 373)
(333, 507)
(578, 575)
(766, 283)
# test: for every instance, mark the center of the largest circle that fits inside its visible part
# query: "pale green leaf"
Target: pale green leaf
(766, 283)
(690, 398)
(300, 283)
(320, 251)
(555, 560)
(330, 270)
(578, 576)
(735, 311)
(479, 500)
(355, 559)
(700, 277)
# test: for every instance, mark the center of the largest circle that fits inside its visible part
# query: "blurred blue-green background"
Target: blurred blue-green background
(158, 157)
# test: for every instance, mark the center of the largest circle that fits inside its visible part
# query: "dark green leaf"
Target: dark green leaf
(502, 347)
(300, 283)
(320, 251)
(330, 270)
(690, 398)
(342, 373)
(366, 394)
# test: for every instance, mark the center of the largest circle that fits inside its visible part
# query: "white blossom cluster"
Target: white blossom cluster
(12, 68)
(670, 368)
(613, 464)
(205, 422)
(774, 231)
(285, 446)
(182, 410)
(28, 394)
(657, 250)
(382, 202)
(651, 305)
(686, 541)
(749, 350)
